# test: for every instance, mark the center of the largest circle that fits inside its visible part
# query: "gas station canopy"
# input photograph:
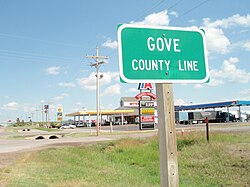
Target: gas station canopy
(102, 112)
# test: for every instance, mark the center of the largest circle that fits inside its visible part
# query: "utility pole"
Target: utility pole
(97, 64)
(32, 117)
(42, 115)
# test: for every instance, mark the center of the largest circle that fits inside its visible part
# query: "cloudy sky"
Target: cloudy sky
(44, 44)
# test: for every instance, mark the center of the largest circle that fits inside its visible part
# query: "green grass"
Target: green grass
(225, 161)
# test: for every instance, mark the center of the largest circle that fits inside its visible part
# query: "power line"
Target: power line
(150, 9)
(31, 57)
(39, 40)
(190, 10)
(35, 55)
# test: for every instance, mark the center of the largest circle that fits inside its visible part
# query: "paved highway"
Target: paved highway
(8, 144)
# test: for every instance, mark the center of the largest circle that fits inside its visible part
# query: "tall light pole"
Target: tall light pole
(100, 111)
(97, 66)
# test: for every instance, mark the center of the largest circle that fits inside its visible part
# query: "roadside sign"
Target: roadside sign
(150, 94)
(147, 104)
(59, 114)
(59, 109)
(148, 119)
(156, 54)
(59, 118)
(147, 111)
(146, 115)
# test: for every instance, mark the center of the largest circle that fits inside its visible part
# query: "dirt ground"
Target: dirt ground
(6, 159)
(241, 149)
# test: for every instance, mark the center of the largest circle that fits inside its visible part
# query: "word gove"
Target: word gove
(162, 44)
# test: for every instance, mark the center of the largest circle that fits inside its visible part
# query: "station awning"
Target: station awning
(102, 112)
(212, 105)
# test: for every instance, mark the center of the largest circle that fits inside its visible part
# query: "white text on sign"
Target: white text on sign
(155, 65)
(161, 44)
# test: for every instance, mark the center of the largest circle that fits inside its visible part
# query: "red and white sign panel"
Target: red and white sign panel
(150, 94)
(147, 118)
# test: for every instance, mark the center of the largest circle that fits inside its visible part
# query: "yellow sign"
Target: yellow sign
(147, 111)
(59, 118)
(59, 109)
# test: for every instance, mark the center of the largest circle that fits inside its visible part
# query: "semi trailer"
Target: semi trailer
(196, 117)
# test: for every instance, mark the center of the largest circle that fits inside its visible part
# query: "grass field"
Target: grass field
(225, 161)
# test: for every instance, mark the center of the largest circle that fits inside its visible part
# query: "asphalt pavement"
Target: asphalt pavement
(11, 141)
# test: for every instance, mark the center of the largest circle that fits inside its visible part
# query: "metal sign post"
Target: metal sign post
(207, 129)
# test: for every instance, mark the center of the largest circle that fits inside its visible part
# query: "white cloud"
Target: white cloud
(110, 44)
(241, 44)
(246, 46)
(89, 83)
(60, 97)
(132, 90)
(245, 94)
(214, 80)
(192, 21)
(67, 84)
(53, 70)
(216, 40)
(179, 102)
(229, 73)
(113, 90)
(109, 76)
(11, 106)
(235, 20)
(28, 108)
(198, 86)
(156, 19)
(173, 13)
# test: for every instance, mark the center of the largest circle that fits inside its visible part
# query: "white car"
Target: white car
(67, 126)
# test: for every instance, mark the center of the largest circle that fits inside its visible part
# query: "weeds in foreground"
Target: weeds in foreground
(135, 162)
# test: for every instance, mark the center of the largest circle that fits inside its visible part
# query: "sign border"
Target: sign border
(189, 29)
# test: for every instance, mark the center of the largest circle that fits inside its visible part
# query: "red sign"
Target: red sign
(145, 86)
(147, 118)
(46, 106)
(150, 94)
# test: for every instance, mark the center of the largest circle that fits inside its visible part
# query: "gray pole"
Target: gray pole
(240, 115)
(97, 92)
(42, 114)
(97, 65)
(32, 115)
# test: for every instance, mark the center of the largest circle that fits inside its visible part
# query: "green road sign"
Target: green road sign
(162, 54)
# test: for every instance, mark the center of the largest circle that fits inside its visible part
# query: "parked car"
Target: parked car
(67, 126)
(81, 124)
